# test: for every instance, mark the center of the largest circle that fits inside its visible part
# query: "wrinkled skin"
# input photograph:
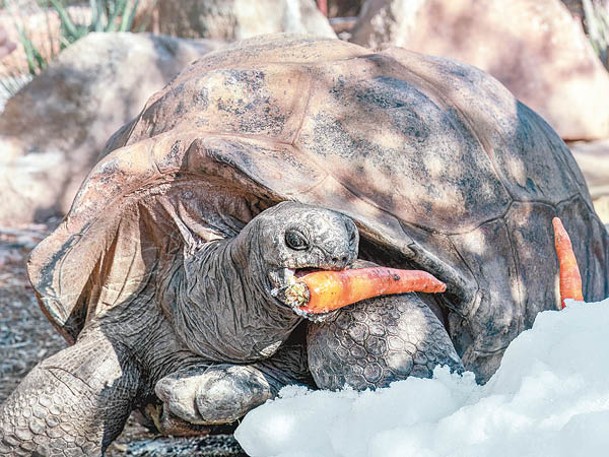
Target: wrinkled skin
(435, 163)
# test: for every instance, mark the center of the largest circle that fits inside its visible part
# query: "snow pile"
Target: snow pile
(550, 397)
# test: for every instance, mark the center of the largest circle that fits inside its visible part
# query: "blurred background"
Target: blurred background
(72, 72)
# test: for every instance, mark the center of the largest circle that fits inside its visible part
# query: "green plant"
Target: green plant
(76, 19)
(105, 16)
(35, 61)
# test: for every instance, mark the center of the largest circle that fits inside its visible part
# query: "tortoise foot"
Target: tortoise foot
(220, 394)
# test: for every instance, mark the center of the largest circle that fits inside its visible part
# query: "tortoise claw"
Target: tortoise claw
(169, 424)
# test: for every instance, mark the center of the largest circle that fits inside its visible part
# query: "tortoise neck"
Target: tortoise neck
(221, 306)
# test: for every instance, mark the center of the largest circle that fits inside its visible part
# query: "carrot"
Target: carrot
(570, 281)
(323, 291)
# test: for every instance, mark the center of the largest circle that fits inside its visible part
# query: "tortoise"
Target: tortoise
(275, 156)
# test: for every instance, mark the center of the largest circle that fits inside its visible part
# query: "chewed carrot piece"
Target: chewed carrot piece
(323, 291)
(570, 281)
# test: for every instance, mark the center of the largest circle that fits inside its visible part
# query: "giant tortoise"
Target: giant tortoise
(280, 155)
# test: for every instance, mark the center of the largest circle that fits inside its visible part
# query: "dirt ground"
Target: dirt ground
(26, 337)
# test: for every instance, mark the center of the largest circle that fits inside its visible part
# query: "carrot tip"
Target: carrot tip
(570, 282)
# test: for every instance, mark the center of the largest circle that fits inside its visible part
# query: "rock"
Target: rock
(7, 46)
(593, 159)
(53, 129)
(601, 205)
(575, 7)
(239, 19)
(534, 47)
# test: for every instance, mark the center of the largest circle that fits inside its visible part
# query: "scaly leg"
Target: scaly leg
(71, 404)
(378, 341)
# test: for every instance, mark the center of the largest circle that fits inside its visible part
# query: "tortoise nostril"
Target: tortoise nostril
(340, 262)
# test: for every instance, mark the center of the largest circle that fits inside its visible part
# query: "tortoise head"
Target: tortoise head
(292, 237)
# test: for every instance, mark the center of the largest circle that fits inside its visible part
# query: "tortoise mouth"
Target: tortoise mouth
(282, 278)
(282, 281)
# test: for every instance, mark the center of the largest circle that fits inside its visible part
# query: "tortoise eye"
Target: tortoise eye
(296, 240)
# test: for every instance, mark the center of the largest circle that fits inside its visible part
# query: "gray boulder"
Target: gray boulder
(534, 47)
(593, 159)
(239, 19)
(53, 129)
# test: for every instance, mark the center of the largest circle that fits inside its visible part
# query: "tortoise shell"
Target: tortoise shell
(438, 164)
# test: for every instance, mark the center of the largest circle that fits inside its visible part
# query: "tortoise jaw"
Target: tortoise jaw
(282, 289)
(281, 279)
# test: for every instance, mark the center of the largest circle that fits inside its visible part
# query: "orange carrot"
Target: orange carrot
(570, 281)
(323, 291)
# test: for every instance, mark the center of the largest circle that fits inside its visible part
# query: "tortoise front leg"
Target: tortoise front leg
(71, 404)
(213, 394)
(378, 341)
